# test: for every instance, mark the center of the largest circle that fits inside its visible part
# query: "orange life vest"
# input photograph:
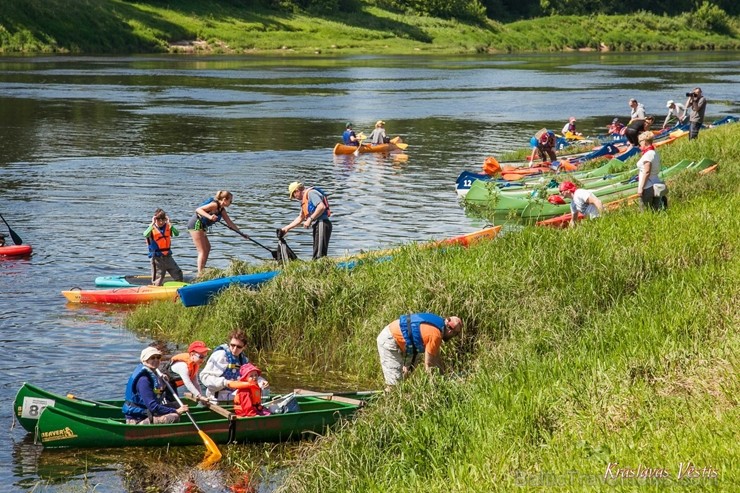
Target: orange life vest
(248, 401)
(163, 241)
(193, 368)
(308, 208)
(491, 166)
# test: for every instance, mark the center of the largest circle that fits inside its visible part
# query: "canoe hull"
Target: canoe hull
(200, 293)
(58, 428)
(125, 296)
(15, 250)
(341, 149)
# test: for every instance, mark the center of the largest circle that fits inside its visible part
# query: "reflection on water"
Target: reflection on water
(91, 146)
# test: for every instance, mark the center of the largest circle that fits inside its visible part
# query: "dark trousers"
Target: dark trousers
(632, 136)
(694, 130)
(650, 201)
(546, 152)
(162, 266)
(321, 236)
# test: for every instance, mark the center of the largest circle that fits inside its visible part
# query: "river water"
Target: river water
(91, 146)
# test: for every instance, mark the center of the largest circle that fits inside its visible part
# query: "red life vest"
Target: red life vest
(248, 401)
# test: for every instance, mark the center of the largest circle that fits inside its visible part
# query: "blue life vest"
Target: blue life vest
(232, 369)
(310, 207)
(206, 222)
(346, 138)
(411, 331)
(134, 405)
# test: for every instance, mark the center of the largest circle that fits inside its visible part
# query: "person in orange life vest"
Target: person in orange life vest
(402, 340)
(210, 212)
(248, 397)
(314, 211)
(182, 369)
(159, 240)
(143, 393)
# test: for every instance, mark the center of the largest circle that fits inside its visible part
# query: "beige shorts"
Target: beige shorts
(391, 358)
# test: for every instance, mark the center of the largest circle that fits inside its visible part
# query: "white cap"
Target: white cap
(148, 352)
(669, 103)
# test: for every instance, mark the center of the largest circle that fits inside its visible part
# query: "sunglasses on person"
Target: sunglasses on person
(237, 346)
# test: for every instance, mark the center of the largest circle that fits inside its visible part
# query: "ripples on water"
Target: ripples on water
(91, 146)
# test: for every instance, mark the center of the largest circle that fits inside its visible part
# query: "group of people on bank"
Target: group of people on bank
(228, 375)
(545, 141)
(314, 213)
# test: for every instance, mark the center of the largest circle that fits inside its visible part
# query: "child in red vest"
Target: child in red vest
(248, 398)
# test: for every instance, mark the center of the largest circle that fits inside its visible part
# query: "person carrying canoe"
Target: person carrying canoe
(349, 137)
(248, 399)
(210, 212)
(378, 135)
(314, 212)
(650, 187)
(544, 141)
(182, 369)
(581, 201)
(144, 393)
(221, 374)
(159, 240)
(401, 341)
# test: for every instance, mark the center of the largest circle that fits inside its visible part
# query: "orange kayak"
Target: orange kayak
(15, 250)
(368, 148)
(470, 238)
(139, 294)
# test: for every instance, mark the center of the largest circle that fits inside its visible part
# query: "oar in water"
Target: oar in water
(90, 401)
(16, 239)
(361, 136)
(211, 446)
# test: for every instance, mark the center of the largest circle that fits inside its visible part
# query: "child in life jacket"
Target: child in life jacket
(248, 397)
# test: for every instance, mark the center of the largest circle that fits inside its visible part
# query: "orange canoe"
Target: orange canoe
(368, 148)
(139, 294)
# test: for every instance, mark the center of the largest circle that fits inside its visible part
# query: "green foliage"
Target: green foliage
(709, 17)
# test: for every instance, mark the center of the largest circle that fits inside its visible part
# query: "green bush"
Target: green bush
(709, 17)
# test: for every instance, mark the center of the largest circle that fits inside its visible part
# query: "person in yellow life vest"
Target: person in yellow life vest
(315, 212)
(248, 397)
(182, 369)
(159, 240)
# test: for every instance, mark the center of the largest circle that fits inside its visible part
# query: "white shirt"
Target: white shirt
(181, 368)
(579, 203)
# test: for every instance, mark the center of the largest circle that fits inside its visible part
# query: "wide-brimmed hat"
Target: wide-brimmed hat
(293, 187)
(247, 369)
(669, 103)
(379, 123)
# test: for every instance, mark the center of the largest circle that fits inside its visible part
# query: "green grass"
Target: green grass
(612, 342)
(213, 27)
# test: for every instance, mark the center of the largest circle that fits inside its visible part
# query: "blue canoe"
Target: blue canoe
(200, 293)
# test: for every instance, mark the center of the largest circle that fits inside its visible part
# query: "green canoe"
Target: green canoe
(58, 428)
(533, 208)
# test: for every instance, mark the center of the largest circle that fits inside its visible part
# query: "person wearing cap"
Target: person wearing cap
(221, 374)
(638, 110)
(378, 135)
(615, 127)
(401, 341)
(349, 137)
(182, 369)
(581, 201)
(144, 393)
(314, 212)
(248, 399)
(675, 110)
(650, 187)
(570, 128)
(698, 105)
(544, 141)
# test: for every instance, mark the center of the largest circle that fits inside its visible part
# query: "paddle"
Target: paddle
(90, 401)
(361, 136)
(402, 145)
(207, 441)
(274, 253)
(16, 239)
(330, 396)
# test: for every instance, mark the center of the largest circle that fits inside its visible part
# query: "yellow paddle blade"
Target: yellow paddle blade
(360, 136)
(215, 453)
(400, 157)
(401, 146)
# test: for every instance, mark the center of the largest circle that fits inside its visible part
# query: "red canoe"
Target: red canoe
(15, 250)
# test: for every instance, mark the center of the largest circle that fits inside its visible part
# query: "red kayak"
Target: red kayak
(15, 250)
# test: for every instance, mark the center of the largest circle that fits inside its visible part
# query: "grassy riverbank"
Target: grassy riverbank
(212, 27)
(612, 342)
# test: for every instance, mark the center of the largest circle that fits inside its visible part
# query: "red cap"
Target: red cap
(567, 186)
(198, 347)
